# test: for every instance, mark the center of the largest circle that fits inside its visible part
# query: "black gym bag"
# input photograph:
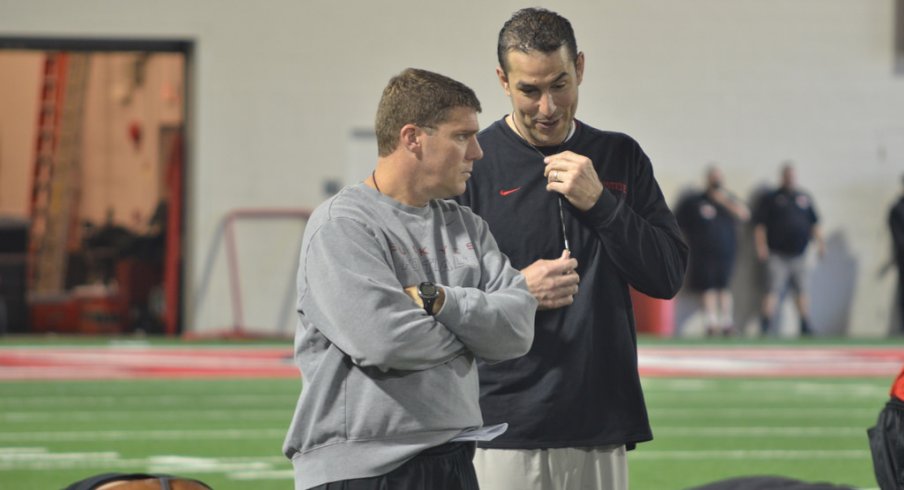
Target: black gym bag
(886, 441)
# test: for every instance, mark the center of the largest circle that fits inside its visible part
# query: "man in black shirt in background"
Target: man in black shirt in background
(896, 226)
(785, 222)
(579, 212)
(709, 220)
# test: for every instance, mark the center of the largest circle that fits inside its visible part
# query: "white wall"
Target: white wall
(280, 85)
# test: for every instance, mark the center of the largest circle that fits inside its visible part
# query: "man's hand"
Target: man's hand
(574, 177)
(816, 233)
(553, 282)
(760, 243)
(729, 202)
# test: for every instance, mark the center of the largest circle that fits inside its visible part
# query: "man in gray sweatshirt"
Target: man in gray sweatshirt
(399, 291)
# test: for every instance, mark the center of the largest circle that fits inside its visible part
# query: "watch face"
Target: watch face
(428, 290)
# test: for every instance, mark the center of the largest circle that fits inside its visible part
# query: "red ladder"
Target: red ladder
(56, 188)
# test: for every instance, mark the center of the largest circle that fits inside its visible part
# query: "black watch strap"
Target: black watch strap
(428, 293)
(428, 305)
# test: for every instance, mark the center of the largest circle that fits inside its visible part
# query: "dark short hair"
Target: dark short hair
(536, 29)
(418, 97)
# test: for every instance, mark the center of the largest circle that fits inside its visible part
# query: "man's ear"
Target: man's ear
(409, 137)
(579, 67)
(503, 80)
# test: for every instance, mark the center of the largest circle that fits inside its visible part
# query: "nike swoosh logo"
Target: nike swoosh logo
(505, 192)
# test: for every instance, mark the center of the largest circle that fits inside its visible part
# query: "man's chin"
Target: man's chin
(544, 135)
(542, 138)
(455, 192)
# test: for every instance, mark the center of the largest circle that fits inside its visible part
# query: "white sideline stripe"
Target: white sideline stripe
(250, 467)
(153, 414)
(28, 456)
(837, 388)
(144, 435)
(153, 464)
(764, 363)
(20, 450)
(264, 475)
(773, 387)
(178, 464)
(880, 396)
(762, 454)
(836, 392)
(761, 413)
(741, 384)
(760, 431)
(214, 434)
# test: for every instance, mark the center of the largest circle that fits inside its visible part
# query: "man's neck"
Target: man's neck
(394, 180)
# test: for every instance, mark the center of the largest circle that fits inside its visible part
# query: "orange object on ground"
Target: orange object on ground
(653, 315)
(897, 388)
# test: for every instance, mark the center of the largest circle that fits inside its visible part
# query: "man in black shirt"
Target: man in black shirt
(896, 226)
(709, 221)
(785, 221)
(579, 212)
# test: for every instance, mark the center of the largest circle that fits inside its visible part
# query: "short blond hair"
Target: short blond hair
(418, 97)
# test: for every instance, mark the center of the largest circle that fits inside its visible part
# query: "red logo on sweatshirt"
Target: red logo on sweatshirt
(505, 192)
(616, 186)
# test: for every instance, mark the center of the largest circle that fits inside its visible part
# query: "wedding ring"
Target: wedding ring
(555, 176)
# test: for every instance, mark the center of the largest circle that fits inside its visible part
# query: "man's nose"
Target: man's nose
(547, 105)
(475, 152)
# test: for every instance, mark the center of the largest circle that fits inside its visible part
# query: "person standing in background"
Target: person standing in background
(784, 223)
(709, 221)
(579, 211)
(896, 226)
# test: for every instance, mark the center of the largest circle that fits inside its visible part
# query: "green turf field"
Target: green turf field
(228, 432)
(711, 429)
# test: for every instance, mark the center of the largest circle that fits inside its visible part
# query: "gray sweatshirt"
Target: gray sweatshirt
(383, 380)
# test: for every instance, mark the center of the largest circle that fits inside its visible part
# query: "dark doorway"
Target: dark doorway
(92, 166)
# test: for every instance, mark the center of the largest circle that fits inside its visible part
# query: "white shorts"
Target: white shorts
(597, 468)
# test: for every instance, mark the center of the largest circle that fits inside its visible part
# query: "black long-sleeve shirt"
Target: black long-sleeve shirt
(579, 385)
(896, 225)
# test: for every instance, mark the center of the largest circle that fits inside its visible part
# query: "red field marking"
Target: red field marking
(128, 362)
(144, 362)
(832, 362)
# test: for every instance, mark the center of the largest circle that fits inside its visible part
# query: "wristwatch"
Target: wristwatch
(428, 293)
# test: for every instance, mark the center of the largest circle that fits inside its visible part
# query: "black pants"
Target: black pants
(445, 467)
(901, 295)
